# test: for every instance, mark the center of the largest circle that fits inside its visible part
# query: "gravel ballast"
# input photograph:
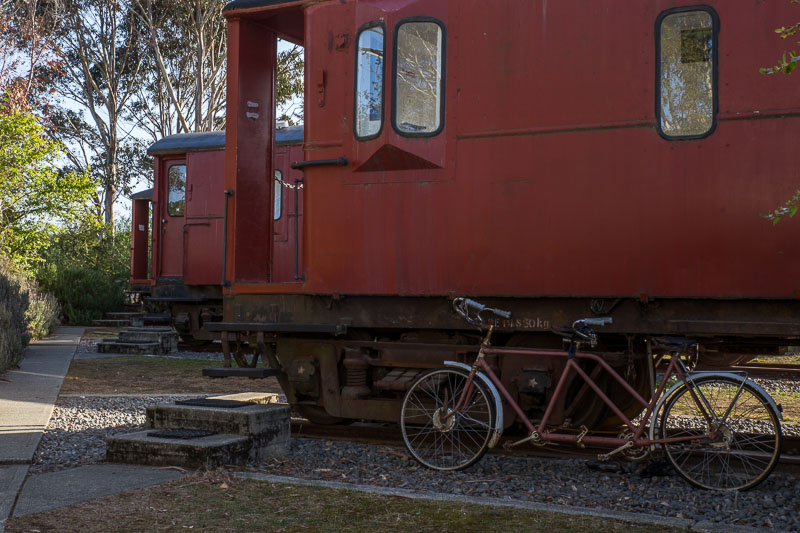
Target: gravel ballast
(80, 424)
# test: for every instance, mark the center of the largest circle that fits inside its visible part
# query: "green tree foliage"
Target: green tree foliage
(291, 66)
(87, 268)
(184, 72)
(34, 195)
(786, 66)
(27, 53)
(101, 52)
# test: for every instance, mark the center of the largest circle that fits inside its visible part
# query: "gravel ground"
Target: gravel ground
(79, 425)
(578, 482)
(76, 434)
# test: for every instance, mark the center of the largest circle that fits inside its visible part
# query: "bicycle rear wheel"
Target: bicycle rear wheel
(438, 437)
(739, 444)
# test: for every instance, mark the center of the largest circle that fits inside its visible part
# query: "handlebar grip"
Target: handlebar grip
(473, 304)
(603, 321)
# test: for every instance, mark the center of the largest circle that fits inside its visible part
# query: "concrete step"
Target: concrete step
(153, 319)
(123, 315)
(253, 420)
(134, 348)
(249, 432)
(202, 452)
(165, 336)
(109, 323)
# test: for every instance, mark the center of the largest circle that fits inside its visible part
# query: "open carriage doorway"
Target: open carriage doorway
(258, 172)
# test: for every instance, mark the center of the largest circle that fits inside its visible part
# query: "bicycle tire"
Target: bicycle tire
(440, 442)
(740, 452)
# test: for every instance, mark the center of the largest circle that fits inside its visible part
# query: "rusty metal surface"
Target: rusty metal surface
(723, 320)
(545, 192)
(288, 228)
(140, 238)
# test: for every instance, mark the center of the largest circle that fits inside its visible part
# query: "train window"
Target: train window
(687, 81)
(369, 82)
(418, 78)
(277, 208)
(176, 201)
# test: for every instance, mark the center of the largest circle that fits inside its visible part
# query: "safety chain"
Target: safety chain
(288, 185)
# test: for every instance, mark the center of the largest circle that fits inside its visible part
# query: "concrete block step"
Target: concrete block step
(157, 320)
(123, 315)
(203, 452)
(166, 336)
(109, 323)
(112, 346)
(263, 398)
(253, 420)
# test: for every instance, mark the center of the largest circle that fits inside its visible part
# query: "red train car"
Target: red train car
(558, 159)
(181, 269)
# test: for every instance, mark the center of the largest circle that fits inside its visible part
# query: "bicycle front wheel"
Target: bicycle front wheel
(435, 433)
(738, 434)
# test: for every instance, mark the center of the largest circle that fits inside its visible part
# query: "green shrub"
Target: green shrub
(84, 294)
(43, 313)
(25, 313)
(87, 269)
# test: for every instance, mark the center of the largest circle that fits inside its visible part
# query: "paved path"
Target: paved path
(27, 396)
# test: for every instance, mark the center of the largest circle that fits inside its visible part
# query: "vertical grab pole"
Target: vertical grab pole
(297, 184)
(225, 283)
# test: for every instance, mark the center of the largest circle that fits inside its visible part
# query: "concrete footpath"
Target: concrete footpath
(27, 397)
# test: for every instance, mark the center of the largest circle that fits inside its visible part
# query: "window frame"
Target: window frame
(443, 76)
(170, 166)
(369, 25)
(715, 30)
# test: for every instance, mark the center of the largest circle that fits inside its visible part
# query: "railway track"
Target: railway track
(390, 435)
(755, 370)
(769, 370)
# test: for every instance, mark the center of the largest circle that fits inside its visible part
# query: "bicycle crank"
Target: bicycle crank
(606, 456)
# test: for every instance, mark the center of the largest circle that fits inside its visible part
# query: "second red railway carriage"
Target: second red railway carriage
(180, 272)
(558, 159)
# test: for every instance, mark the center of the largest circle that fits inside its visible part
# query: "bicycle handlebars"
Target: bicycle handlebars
(465, 306)
(472, 311)
(602, 321)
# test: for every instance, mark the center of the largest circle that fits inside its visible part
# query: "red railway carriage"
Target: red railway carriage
(558, 159)
(188, 213)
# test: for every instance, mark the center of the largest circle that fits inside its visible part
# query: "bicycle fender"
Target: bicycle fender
(498, 406)
(730, 375)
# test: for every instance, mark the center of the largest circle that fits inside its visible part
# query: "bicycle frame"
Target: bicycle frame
(541, 435)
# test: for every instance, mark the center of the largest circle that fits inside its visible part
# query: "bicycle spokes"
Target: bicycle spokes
(730, 441)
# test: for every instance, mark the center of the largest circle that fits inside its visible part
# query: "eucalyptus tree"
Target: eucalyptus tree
(185, 86)
(27, 53)
(102, 52)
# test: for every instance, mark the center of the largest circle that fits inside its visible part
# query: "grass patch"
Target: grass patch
(214, 502)
(790, 401)
(148, 375)
(789, 359)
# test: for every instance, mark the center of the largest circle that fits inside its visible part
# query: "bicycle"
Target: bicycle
(719, 430)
